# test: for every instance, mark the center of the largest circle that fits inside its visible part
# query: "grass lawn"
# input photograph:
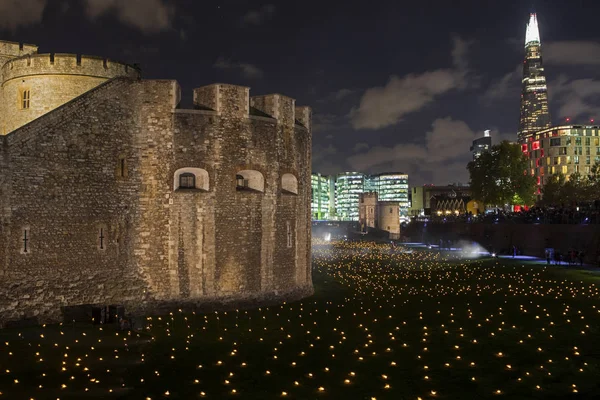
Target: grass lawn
(380, 326)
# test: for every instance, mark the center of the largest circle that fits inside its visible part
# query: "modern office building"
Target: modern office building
(322, 197)
(390, 186)
(337, 197)
(348, 187)
(562, 149)
(481, 144)
(535, 115)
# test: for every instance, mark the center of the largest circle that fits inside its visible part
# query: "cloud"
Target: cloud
(575, 97)
(384, 106)
(507, 86)
(572, 53)
(337, 96)
(248, 70)
(16, 13)
(323, 122)
(358, 147)
(149, 16)
(257, 17)
(320, 153)
(441, 159)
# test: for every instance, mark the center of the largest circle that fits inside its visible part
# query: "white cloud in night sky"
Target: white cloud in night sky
(15, 13)
(149, 16)
(574, 98)
(571, 53)
(384, 106)
(442, 158)
(257, 17)
(248, 70)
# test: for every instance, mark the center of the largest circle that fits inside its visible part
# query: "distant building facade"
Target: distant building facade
(481, 144)
(390, 187)
(323, 197)
(381, 215)
(535, 114)
(348, 187)
(563, 150)
(429, 199)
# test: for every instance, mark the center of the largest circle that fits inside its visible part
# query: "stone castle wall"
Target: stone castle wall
(61, 182)
(52, 80)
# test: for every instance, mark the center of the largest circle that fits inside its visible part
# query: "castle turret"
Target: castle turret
(34, 84)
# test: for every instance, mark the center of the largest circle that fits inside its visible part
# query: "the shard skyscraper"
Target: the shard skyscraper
(535, 115)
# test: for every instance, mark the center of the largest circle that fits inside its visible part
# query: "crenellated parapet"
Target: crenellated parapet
(280, 107)
(10, 50)
(66, 64)
(226, 100)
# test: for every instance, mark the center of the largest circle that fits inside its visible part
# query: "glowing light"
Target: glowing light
(533, 33)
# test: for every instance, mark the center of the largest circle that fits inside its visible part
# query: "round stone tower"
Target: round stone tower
(34, 84)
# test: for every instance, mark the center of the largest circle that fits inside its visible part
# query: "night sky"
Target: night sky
(394, 85)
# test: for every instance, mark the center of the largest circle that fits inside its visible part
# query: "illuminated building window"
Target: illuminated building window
(541, 170)
(564, 169)
(562, 151)
(548, 162)
(555, 142)
(25, 99)
(553, 170)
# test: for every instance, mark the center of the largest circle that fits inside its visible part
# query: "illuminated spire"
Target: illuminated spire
(533, 33)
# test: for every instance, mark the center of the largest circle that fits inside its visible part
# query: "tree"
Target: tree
(499, 176)
(553, 190)
(559, 190)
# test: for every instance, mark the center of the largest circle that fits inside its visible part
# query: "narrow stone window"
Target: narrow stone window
(187, 181)
(25, 99)
(25, 241)
(391, 210)
(289, 235)
(122, 168)
(102, 238)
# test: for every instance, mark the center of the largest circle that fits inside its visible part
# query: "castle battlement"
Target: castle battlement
(16, 49)
(233, 100)
(66, 64)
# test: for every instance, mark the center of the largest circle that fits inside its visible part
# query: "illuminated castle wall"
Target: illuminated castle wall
(119, 196)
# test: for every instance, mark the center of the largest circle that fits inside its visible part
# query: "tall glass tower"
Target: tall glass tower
(534, 94)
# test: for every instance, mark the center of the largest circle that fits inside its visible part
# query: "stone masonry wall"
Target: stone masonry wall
(62, 189)
(89, 188)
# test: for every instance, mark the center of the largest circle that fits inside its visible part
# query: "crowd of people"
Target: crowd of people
(533, 215)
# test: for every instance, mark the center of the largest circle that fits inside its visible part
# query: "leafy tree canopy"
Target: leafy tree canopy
(499, 176)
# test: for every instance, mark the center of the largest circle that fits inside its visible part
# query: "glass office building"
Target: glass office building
(390, 186)
(348, 187)
(535, 115)
(321, 197)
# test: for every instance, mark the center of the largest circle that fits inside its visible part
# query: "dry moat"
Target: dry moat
(403, 325)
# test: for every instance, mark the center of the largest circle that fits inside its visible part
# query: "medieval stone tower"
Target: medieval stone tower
(110, 193)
